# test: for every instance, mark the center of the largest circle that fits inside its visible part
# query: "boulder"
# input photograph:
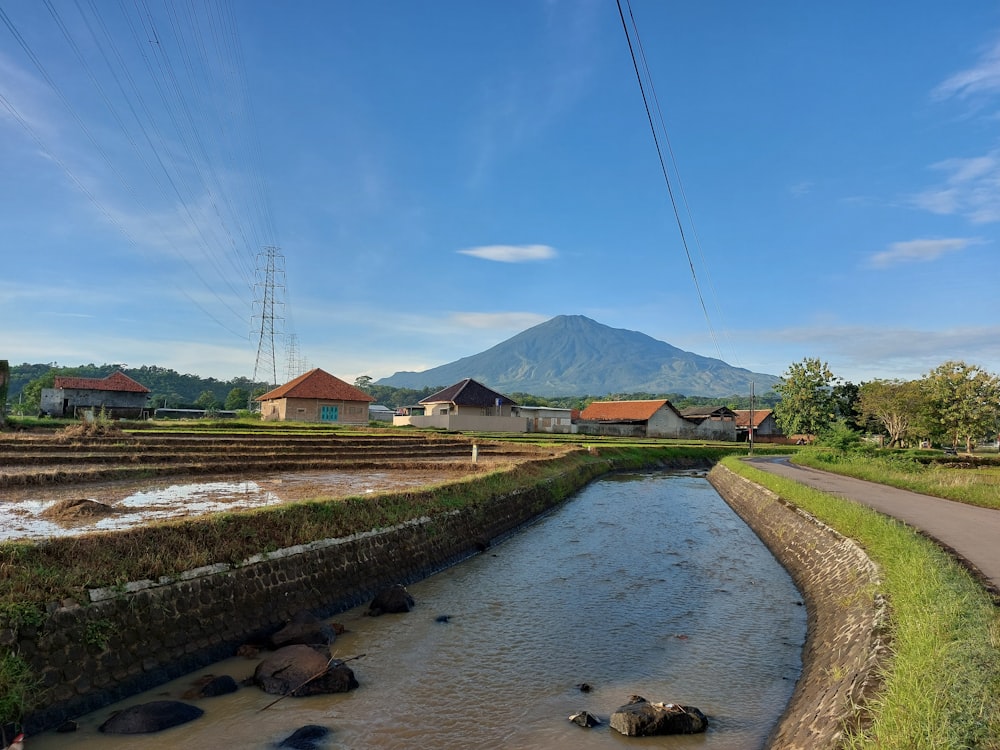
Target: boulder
(640, 718)
(392, 600)
(304, 628)
(300, 670)
(305, 738)
(221, 685)
(585, 719)
(150, 717)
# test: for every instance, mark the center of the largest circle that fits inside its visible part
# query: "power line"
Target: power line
(659, 153)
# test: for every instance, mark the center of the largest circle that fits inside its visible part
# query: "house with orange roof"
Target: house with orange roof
(117, 395)
(468, 405)
(316, 396)
(765, 429)
(657, 418)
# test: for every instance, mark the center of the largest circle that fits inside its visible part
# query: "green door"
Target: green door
(329, 413)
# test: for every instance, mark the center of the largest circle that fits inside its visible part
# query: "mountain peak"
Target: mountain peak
(572, 355)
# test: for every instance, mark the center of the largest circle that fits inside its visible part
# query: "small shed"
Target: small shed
(765, 428)
(713, 422)
(117, 395)
(316, 396)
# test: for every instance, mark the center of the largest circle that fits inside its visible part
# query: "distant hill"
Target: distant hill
(574, 355)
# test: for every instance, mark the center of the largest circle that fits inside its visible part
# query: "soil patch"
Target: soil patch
(76, 509)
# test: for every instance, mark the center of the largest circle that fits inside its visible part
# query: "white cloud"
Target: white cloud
(511, 253)
(981, 78)
(920, 251)
(971, 189)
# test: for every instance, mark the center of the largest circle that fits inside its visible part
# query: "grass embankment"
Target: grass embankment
(941, 686)
(972, 481)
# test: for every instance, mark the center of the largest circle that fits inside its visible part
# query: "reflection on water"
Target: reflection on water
(643, 584)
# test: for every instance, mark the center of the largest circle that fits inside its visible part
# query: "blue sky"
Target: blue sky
(440, 176)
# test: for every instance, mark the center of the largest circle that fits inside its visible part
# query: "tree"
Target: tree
(807, 404)
(207, 401)
(238, 398)
(896, 405)
(364, 383)
(963, 401)
(4, 384)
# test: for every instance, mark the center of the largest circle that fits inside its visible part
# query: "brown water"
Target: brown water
(643, 584)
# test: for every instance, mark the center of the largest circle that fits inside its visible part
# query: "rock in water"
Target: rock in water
(305, 738)
(640, 718)
(395, 599)
(299, 670)
(150, 717)
(304, 628)
(585, 719)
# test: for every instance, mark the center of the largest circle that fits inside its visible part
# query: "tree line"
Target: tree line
(955, 403)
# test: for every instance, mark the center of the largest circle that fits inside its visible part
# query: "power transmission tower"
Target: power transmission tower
(295, 363)
(269, 288)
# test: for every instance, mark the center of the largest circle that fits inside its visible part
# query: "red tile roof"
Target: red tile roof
(624, 411)
(317, 384)
(116, 381)
(743, 417)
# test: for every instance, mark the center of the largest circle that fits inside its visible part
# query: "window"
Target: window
(329, 413)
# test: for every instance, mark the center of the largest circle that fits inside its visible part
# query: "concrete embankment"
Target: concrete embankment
(846, 614)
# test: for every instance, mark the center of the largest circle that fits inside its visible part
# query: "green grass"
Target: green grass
(941, 686)
(966, 481)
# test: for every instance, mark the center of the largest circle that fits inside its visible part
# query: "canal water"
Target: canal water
(643, 584)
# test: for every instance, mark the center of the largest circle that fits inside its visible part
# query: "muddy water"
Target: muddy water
(25, 511)
(643, 584)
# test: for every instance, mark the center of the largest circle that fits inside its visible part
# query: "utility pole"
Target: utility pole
(750, 452)
(269, 287)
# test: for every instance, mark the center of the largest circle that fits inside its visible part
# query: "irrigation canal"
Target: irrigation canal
(642, 584)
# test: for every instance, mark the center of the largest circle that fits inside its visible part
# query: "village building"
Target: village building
(656, 418)
(765, 428)
(714, 422)
(117, 396)
(316, 396)
(546, 419)
(380, 413)
(465, 406)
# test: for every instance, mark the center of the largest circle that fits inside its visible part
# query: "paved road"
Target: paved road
(972, 533)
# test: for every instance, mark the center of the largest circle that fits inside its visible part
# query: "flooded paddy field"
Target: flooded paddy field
(42, 511)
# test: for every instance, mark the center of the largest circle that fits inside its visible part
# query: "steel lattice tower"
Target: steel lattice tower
(269, 288)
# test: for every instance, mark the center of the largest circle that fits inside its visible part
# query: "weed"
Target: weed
(18, 687)
(97, 633)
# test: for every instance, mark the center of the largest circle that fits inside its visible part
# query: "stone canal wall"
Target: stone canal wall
(846, 615)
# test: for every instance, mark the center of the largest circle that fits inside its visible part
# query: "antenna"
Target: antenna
(269, 289)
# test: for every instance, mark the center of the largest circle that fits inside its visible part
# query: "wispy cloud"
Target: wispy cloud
(501, 321)
(511, 253)
(971, 189)
(801, 188)
(860, 353)
(981, 78)
(913, 251)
